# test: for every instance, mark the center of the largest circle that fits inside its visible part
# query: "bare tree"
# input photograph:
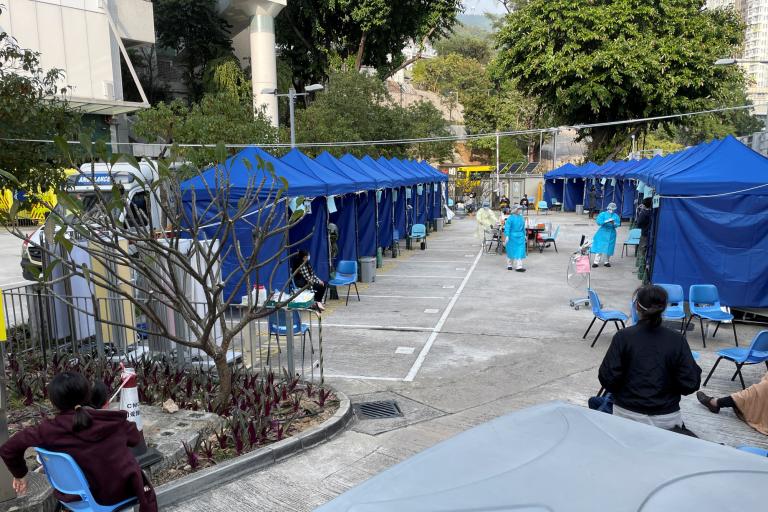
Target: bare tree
(173, 241)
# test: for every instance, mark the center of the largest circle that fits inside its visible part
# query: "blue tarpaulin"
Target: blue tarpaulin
(345, 218)
(386, 223)
(401, 214)
(366, 223)
(243, 176)
(713, 221)
(311, 233)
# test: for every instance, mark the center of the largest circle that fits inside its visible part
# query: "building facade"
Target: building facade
(88, 41)
(755, 15)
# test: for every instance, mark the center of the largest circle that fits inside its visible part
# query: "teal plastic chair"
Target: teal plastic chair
(66, 477)
(704, 302)
(756, 353)
(346, 275)
(632, 239)
(419, 234)
(543, 207)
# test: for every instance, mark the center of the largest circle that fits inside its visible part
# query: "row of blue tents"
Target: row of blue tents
(710, 222)
(369, 201)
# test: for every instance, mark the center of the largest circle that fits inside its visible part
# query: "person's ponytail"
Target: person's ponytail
(651, 301)
(81, 420)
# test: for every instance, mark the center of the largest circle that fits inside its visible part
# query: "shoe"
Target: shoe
(320, 307)
(706, 401)
(607, 264)
(594, 265)
(519, 270)
(509, 267)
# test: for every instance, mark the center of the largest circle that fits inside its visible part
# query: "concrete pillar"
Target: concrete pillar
(258, 16)
(263, 65)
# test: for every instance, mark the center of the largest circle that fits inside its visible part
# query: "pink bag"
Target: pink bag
(582, 265)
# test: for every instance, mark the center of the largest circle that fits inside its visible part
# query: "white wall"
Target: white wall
(74, 36)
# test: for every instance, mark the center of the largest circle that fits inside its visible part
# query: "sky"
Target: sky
(482, 6)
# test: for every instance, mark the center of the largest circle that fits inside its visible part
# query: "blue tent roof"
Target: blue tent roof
(411, 169)
(363, 180)
(718, 167)
(336, 183)
(404, 176)
(244, 170)
(441, 176)
(377, 174)
(561, 172)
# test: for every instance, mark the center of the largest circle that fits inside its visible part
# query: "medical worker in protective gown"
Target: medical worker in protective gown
(486, 219)
(604, 241)
(514, 234)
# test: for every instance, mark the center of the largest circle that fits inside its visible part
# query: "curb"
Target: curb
(220, 474)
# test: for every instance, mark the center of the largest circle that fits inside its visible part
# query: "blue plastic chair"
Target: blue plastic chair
(550, 238)
(65, 476)
(278, 326)
(760, 452)
(756, 353)
(675, 304)
(543, 207)
(419, 234)
(632, 239)
(606, 315)
(704, 302)
(346, 275)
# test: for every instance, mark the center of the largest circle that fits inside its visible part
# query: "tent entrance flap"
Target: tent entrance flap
(311, 234)
(345, 220)
(386, 224)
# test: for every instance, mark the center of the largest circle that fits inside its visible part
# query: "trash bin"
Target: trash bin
(439, 222)
(579, 209)
(367, 269)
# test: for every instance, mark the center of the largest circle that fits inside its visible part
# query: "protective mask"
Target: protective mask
(309, 258)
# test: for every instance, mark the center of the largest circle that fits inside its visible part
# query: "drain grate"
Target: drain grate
(377, 410)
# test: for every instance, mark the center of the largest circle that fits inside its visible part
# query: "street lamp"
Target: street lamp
(292, 95)
(731, 62)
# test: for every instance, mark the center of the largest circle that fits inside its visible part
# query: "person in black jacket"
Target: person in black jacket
(648, 367)
(304, 275)
(644, 219)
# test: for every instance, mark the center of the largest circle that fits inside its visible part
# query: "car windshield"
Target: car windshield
(91, 206)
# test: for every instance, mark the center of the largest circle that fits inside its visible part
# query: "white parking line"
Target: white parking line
(417, 276)
(432, 337)
(379, 327)
(402, 297)
(362, 377)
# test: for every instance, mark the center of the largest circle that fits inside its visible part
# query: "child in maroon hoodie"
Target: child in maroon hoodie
(98, 440)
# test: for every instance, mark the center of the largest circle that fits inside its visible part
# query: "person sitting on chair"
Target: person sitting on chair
(304, 275)
(648, 367)
(98, 440)
(525, 204)
(750, 405)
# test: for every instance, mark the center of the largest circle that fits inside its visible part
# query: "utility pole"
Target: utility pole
(554, 149)
(292, 110)
(497, 163)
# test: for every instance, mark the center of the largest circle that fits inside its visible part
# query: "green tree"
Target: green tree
(196, 31)
(452, 72)
(216, 118)
(475, 45)
(601, 61)
(32, 106)
(357, 107)
(311, 33)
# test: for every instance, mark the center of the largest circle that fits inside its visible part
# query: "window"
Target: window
(139, 212)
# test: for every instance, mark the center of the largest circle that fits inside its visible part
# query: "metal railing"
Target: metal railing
(40, 320)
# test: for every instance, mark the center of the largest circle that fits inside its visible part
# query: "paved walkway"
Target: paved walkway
(457, 340)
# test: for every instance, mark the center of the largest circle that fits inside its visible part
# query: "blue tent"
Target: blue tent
(712, 223)
(245, 177)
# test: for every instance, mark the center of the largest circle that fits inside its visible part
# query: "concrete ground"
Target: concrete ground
(457, 340)
(10, 258)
